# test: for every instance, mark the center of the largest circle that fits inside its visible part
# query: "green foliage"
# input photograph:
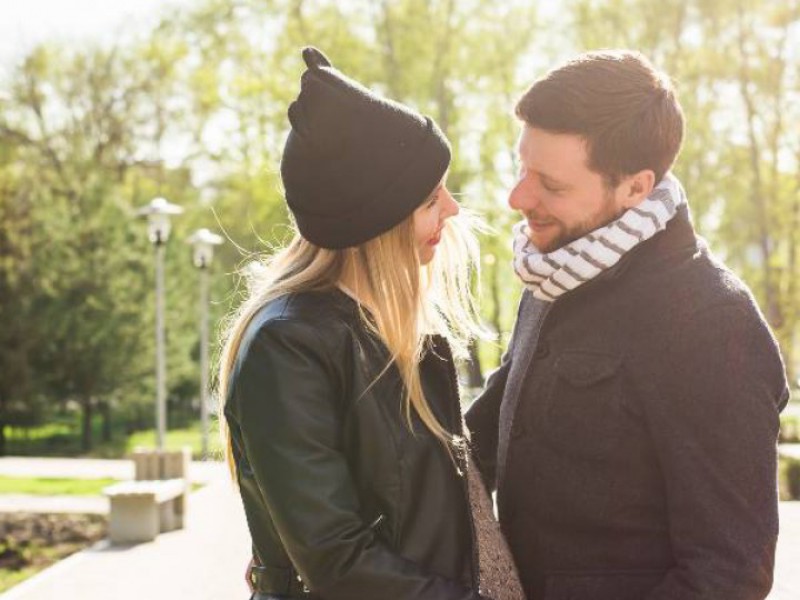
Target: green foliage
(789, 478)
(62, 437)
(195, 110)
(177, 439)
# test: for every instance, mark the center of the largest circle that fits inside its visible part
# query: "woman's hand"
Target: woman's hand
(248, 575)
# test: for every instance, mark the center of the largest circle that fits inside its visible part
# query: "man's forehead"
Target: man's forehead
(552, 154)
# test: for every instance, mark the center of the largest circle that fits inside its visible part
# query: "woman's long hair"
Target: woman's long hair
(409, 301)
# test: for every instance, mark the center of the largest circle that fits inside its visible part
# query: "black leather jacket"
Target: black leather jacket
(342, 500)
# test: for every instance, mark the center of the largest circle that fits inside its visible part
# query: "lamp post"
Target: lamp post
(158, 214)
(203, 242)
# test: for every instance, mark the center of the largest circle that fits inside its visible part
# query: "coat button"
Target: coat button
(516, 431)
(542, 350)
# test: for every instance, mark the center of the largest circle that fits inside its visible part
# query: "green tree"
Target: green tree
(82, 121)
(19, 330)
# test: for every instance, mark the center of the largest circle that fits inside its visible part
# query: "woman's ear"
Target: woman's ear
(637, 187)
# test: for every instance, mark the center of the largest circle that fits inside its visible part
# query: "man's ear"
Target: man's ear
(635, 188)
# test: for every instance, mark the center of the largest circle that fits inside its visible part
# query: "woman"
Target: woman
(341, 412)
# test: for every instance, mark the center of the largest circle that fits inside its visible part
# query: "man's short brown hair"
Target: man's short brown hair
(624, 108)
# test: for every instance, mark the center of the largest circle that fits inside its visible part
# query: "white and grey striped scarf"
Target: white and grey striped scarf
(552, 274)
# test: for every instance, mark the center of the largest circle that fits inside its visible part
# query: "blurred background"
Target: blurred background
(105, 106)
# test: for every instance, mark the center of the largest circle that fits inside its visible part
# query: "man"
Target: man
(630, 431)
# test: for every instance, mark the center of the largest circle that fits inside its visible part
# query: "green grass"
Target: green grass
(9, 577)
(62, 438)
(58, 486)
(175, 440)
(53, 486)
(40, 432)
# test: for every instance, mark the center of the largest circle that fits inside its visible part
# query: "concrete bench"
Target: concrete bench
(140, 510)
(152, 464)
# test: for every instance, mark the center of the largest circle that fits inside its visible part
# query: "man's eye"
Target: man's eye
(551, 188)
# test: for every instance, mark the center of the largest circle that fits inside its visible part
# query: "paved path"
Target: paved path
(792, 450)
(204, 561)
(787, 560)
(792, 409)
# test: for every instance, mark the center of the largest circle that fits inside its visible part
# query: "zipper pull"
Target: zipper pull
(377, 521)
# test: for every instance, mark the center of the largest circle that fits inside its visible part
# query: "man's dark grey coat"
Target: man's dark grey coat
(642, 457)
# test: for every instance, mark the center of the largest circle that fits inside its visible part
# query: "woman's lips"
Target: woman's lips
(436, 239)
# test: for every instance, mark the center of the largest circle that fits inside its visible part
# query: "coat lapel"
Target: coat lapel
(525, 341)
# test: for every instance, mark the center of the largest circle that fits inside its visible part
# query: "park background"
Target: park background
(186, 100)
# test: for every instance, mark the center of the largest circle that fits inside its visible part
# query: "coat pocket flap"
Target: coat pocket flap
(583, 369)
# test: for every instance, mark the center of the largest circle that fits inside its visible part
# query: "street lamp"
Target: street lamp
(203, 242)
(158, 214)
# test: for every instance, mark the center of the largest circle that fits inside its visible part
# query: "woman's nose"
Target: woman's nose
(451, 207)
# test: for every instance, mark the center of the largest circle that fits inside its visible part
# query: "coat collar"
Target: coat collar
(677, 239)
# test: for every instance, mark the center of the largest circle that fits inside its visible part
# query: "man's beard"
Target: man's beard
(607, 213)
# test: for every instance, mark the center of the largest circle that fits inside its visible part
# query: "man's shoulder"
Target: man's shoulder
(704, 301)
(679, 302)
(702, 313)
(689, 282)
(709, 283)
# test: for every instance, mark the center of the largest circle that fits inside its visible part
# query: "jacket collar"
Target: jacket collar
(677, 239)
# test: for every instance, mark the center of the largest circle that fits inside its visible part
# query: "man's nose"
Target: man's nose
(521, 196)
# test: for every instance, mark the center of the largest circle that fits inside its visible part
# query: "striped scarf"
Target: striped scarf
(550, 275)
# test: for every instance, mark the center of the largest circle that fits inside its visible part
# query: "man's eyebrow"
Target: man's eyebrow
(555, 181)
(552, 179)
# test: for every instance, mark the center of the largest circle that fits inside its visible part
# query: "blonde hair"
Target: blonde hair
(408, 301)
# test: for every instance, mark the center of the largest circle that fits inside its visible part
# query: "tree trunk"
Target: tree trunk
(494, 288)
(2, 425)
(474, 375)
(758, 193)
(86, 426)
(792, 292)
(299, 18)
(105, 410)
(386, 27)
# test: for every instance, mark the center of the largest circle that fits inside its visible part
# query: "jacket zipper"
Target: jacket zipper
(464, 465)
(377, 521)
(475, 562)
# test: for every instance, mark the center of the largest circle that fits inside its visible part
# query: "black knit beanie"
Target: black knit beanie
(355, 164)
